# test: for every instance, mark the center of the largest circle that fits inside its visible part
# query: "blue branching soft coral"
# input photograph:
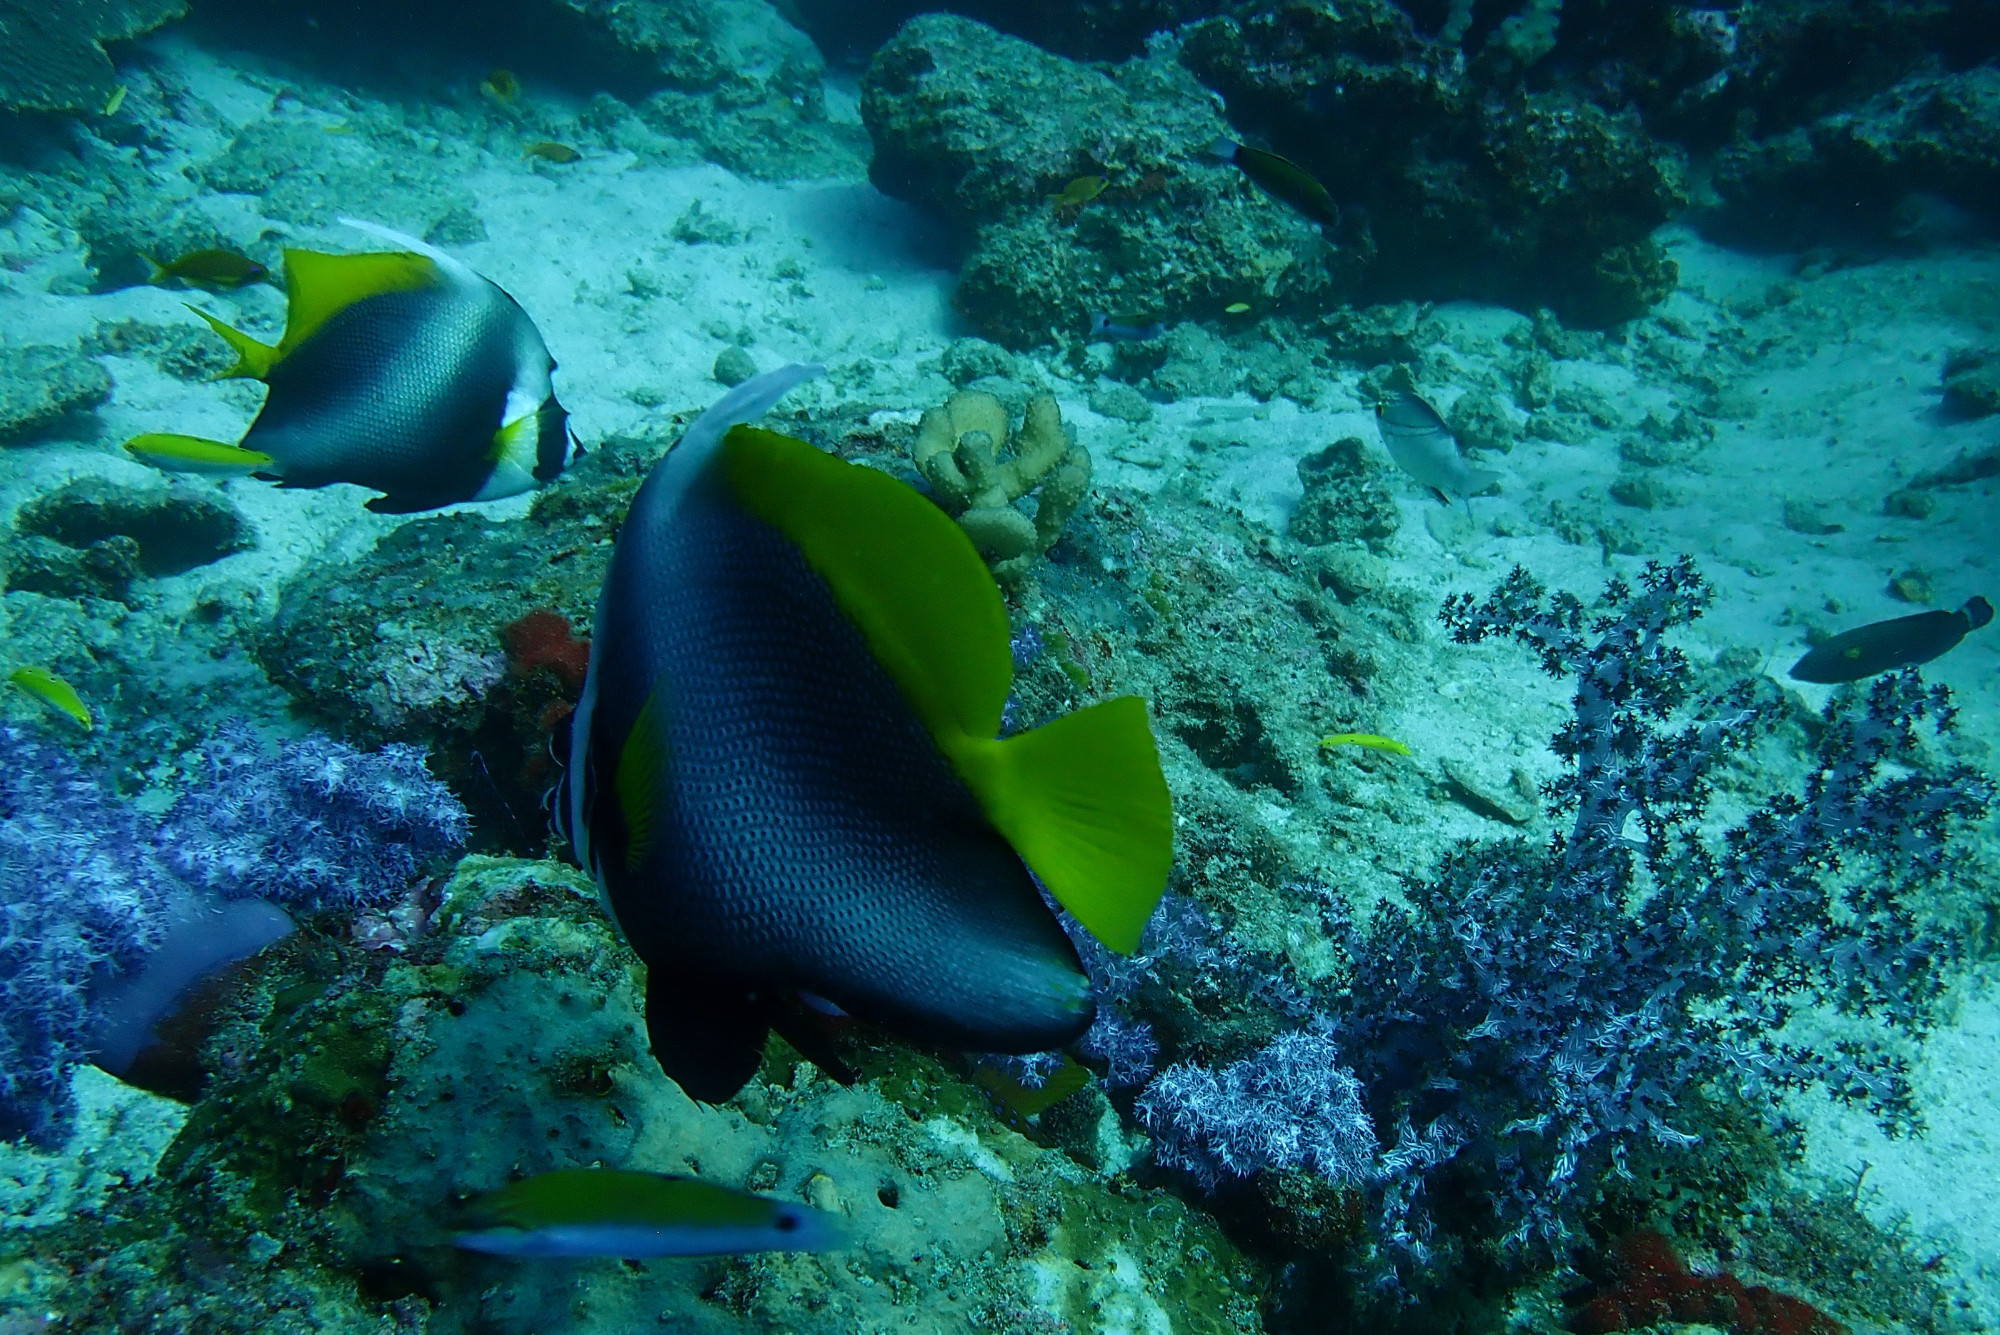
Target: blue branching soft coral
(312, 824)
(1291, 1105)
(1542, 1009)
(82, 894)
(1532, 1013)
(88, 882)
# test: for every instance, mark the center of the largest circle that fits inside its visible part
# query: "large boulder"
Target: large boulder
(52, 51)
(990, 131)
(1473, 186)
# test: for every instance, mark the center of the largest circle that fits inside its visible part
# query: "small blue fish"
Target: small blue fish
(611, 1212)
(1103, 326)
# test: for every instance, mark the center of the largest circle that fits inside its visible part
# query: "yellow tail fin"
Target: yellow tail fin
(1084, 803)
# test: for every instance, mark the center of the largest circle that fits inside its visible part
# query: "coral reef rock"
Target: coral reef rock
(40, 385)
(978, 467)
(360, 1107)
(741, 82)
(172, 528)
(989, 131)
(1904, 162)
(1346, 498)
(52, 51)
(1494, 193)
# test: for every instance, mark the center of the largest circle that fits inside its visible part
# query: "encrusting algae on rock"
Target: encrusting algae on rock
(978, 467)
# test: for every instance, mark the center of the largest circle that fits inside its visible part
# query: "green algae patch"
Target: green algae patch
(1140, 1260)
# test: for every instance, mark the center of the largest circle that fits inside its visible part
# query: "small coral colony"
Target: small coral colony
(790, 753)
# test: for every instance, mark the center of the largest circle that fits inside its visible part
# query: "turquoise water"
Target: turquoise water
(399, 804)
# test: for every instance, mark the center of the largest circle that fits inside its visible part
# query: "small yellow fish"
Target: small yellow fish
(115, 101)
(53, 691)
(212, 267)
(1367, 739)
(1237, 308)
(195, 454)
(502, 86)
(549, 151)
(1078, 192)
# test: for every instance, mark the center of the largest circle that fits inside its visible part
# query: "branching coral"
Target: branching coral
(82, 895)
(963, 449)
(90, 886)
(1532, 1013)
(311, 823)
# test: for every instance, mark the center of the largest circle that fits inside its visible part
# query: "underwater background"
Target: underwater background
(1538, 461)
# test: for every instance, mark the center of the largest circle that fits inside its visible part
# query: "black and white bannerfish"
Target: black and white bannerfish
(404, 372)
(1884, 646)
(787, 778)
(1425, 448)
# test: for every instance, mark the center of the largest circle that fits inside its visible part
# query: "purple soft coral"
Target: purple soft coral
(1292, 1105)
(90, 885)
(316, 825)
(82, 895)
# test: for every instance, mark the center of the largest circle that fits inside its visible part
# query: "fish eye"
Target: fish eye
(788, 1223)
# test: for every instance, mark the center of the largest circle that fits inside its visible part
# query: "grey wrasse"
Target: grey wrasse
(1424, 447)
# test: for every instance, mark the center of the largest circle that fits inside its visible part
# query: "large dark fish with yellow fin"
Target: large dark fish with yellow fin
(404, 372)
(786, 775)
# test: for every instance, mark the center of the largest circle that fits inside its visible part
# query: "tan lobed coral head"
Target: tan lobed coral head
(978, 467)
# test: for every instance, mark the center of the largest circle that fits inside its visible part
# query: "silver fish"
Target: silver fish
(1423, 446)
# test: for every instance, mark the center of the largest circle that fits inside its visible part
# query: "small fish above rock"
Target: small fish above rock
(1884, 646)
(215, 268)
(550, 151)
(1077, 193)
(576, 1212)
(54, 692)
(1102, 326)
(1283, 179)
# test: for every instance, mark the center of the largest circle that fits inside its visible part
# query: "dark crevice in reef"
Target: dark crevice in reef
(393, 47)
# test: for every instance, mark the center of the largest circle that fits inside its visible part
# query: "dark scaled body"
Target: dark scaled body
(785, 824)
(1884, 646)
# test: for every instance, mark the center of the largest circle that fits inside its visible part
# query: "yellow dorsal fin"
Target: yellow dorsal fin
(639, 781)
(1082, 799)
(319, 286)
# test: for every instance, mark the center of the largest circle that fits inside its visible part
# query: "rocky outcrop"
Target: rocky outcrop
(1087, 192)
(52, 51)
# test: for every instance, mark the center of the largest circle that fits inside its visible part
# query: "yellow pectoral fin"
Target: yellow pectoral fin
(640, 780)
(1083, 801)
(254, 360)
(318, 287)
(196, 454)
